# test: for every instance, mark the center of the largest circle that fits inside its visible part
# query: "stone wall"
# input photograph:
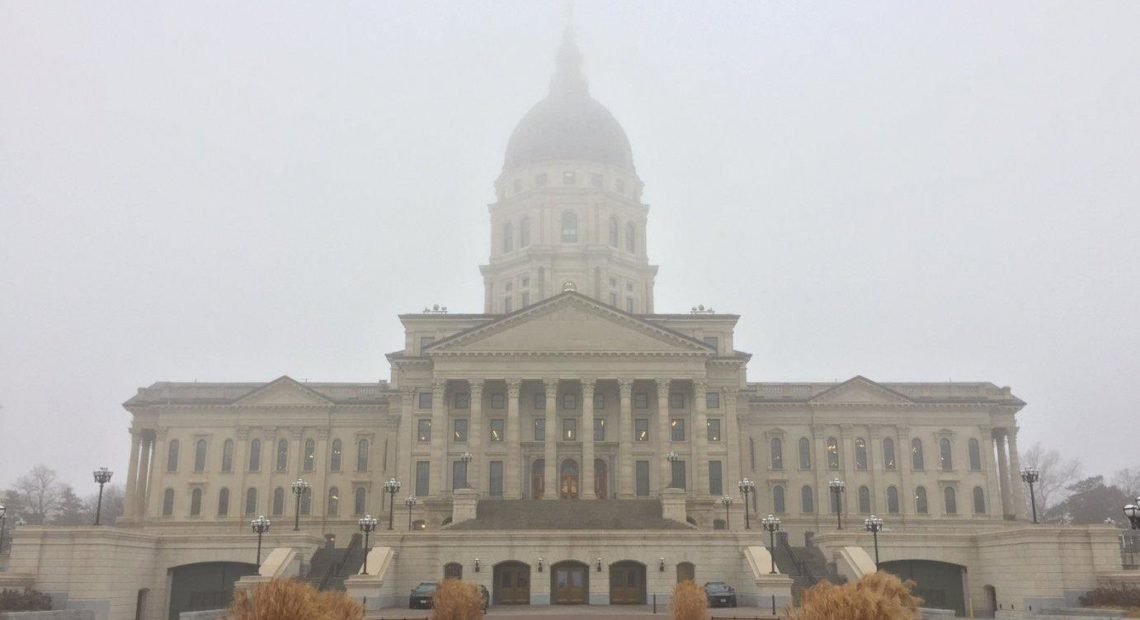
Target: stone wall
(62, 614)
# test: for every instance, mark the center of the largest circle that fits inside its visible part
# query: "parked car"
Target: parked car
(422, 595)
(720, 594)
(486, 597)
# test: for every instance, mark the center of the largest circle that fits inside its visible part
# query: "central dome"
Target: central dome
(569, 123)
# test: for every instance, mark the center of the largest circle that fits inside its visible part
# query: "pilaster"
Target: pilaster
(550, 441)
(665, 438)
(1020, 505)
(475, 435)
(625, 438)
(513, 474)
(700, 484)
(586, 435)
(438, 438)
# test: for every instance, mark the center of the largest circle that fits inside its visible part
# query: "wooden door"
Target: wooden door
(627, 583)
(569, 584)
(512, 584)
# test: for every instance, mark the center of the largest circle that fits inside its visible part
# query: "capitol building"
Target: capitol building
(572, 443)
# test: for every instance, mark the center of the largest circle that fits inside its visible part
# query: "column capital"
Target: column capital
(295, 432)
(663, 385)
(161, 433)
(700, 386)
(243, 432)
(625, 386)
(551, 386)
(438, 386)
(476, 386)
(323, 433)
(817, 429)
(514, 386)
(588, 385)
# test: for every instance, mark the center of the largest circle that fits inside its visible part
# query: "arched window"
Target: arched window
(892, 500)
(255, 455)
(979, 501)
(200, 455)
(569, 227)
(920, 505)
(864, 500)
(310, 454)
(228, 455)
(975, 455)
(334, 501)
(335, 464)
(282, 455)
(807, 503)
(613, 232)
(630, 237)
(251, 501)
(223, 502)
(453, 570)
(307, 503)
(945, 455)
(362, 455)
(686, 571)
(777, 453)
(805, 453)
(508, 237)
(524, 232)
(778, 499)
(196, 502)
(278, 501)
(860, 453)
(916, 460)
(358, 501)
(832, 453)
(168, 502)
(172, 456)
(889, 454)
(951, 500)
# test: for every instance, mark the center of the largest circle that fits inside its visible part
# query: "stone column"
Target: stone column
(146, 471)
(625, 438)
(993, 482)
(1020, 505)
(700, 484)
(405, 468)
(241, 468)
(818, 438)
(475, 436)
(586, 434)
(296, 435)
(664, 437)
(513, 466)
(730, 470)
(874, 449)
(847, 466)
(550, 441)
(438, 465)
(131, 503)
(1003, 473)
(158, 472)
(318, 494)
(904, 462)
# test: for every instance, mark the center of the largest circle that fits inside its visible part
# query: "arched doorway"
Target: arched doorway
(453, 570)
(537, 478)
(601, 479)
(627, 583)
(208, 585)
(991, 602)
(512, 584)
(569, 583)
(686, 571)
(568, 480)
(940, 584)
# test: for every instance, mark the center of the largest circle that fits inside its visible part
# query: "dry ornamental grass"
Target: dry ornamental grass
(286, 599)
(456, 600)
(878, 596)
(690, 602)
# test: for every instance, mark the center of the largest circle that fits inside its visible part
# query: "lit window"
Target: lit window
(641, 429)
(459, 435)
(920, 505)
(777, 447)
(945, 455)
(334, 501)
(497, 429)
(832, 453)
(916, 460)
(599, 429)
(889, 453)
(310, 455)
(569, 429)
(539, 429)
(569, 178)
(677, 429)
(714, 429)
(335, 464)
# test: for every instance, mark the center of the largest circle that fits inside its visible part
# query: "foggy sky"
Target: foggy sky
(224, 191)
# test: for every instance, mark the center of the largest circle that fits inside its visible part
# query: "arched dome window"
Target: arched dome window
(278, 501)
(630, 237)
(251, 501)
(950, 500)
(807, 503)
(334, 501)
(778, 499)
(223, 502)
(569, 227)
(508, 237)
(335, 461)
(228, 455)
(979, 501)
(892, 500)
(613, 232)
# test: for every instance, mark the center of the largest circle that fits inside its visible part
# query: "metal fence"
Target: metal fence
(1130, 549)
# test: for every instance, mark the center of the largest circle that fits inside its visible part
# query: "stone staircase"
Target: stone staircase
(610, 514)
(329, 567)
(806, 566)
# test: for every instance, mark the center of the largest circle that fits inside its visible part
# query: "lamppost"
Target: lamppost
(391, 487)
(1031, 475)
(410, 501)
(874, 525)
(367, 525)
(726, 501)
(672, 457)
(837, 488)
(1132, 511)
(771, 525)
(300, 487)
(102, 476)
(3, 512)
(466, 458)
(746, 487)
(261, 526)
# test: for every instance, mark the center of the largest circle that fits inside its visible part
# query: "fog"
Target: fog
(236, 191)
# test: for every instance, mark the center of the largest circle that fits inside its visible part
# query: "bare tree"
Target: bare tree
(1128, 480)
(1057, 475)
(38, 494)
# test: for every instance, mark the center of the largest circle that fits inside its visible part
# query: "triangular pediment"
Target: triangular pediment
(860, 391)
(283, 391)
(567, 324)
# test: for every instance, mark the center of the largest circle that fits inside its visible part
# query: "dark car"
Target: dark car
(422, 595)
(720, 594)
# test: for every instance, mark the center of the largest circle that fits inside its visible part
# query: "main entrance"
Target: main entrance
(568, 483)
(209, 585)
(512, 584)
(569, 583)
(627, 583)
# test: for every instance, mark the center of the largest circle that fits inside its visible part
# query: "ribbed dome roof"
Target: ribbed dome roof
(569, 123)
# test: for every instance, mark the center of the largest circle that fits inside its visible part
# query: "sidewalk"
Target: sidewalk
(569, 612)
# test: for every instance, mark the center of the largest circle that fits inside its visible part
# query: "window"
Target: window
(223, 502)
(172, 456)
(362, 455)
(613, 232)
(613, 299)
(423, 429)
(255, 455)
(677, 429)
(945, 455)
(228, 455)
(358, 501)
(677, 476)
(752, 453)
(540, 180)
(423, 471)
(864, 500)
(676, 401)
(975, 455)
(619, 185)
(835, 501)
(569, 178)
(599, 402)
(306, 502)
(498, 400)
(892, 500)
(569, 227)
(335, 461)
(496, 489)
(889, 454)
(712, 400)
(832, 453)
(498, 426)
(310, 455)
(950, 499)
(425, 342)
(599, 429)
(716, 486)
(278, 501)
(916, 460)
(459, 434)
(642, 478)
(524, 232)
(458, 475)
(200, 456)
(641, 400)
(979, 501)
(713, 426)
(508, 237)
(282, 455)
(641, 429)
(713, 342)
(778, 505)
(860, 453)
(508, 305)
(630, 237)
(596, 180)
(540, 429)
(540, 401)
(805, 453)
(807, 500)
(569, 401)
(629, 305)
(569, 429)
(920, 501)
(251, 501)
(462, 400)
(425, 400)
(168, 502)
(525, 298)
(333, 502)
(777, 448)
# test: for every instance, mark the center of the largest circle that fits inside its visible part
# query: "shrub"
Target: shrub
(1111, 596)
(28, 600)
(286, 599)
(456, 600)
(878, 596)
(690, 601)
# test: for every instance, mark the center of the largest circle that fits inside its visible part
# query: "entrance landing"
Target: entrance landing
(569, 514)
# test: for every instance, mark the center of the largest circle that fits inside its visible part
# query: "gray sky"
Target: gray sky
(236, 191)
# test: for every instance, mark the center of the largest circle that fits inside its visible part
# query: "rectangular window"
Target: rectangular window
(508, 305)
(676, 400)
(423, 472)
(498, 400)
(599, 429)
(641, 429)
(569, 429)
(424, 429)
(462, 400)
(599, 402)
(525, 298)
(425, 341)
(569, 401)
(458, 475)
(596, 180)
(629, 305)
(716, 486)
(619, 186)
(425, 400)
(678, 469)
(496, 489)
(540, 180)
(569, 178)
(712, 400)
(540, 429)
(641, 400)
(713, 342)
(540, 401)
(714, 429)
(497, 429)
(642, 475)
(460, 433)
(613, 299)
(677, 429)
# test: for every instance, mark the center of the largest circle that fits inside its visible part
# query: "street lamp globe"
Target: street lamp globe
(1030, 475)
(1132, 511)
(102, 475)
